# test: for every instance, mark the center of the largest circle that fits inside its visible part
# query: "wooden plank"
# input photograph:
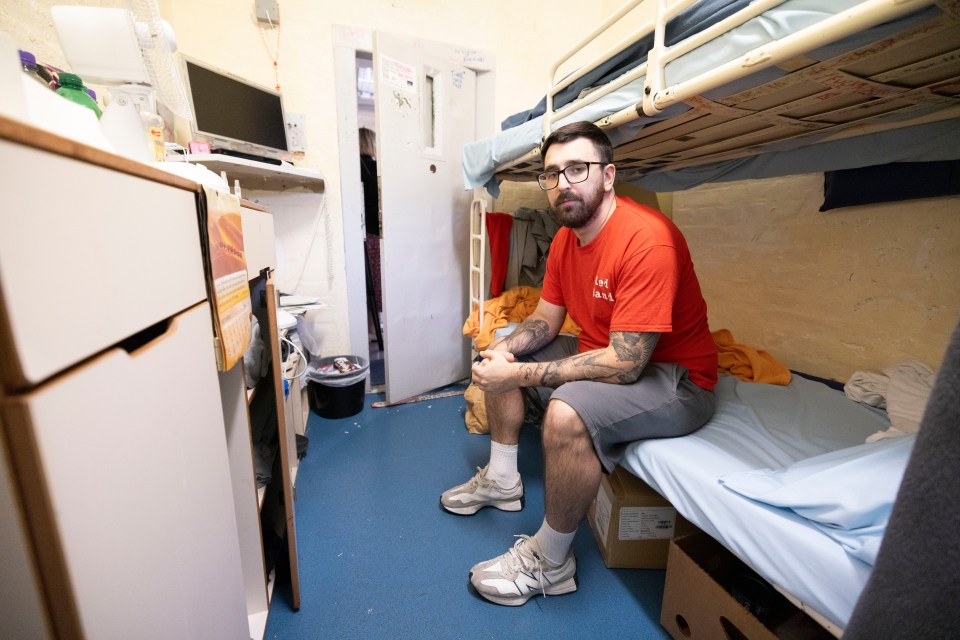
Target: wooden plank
(287, 457)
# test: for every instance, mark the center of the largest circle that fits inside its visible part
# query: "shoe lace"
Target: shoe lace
(522, 554)
(480, 480)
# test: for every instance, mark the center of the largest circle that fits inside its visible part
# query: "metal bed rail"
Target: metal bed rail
(478, 251)
(658, 95)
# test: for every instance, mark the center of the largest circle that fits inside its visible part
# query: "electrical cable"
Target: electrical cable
(306, 256)
(303, 358)
(274, 57)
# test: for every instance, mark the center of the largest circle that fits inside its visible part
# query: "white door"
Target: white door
(426, 112)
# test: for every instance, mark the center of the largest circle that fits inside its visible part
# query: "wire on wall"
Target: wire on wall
(313, 238)
(275, 54)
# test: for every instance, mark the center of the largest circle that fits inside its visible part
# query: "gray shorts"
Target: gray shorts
(663, 403)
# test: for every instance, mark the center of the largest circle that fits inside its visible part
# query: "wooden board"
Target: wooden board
(288, 453)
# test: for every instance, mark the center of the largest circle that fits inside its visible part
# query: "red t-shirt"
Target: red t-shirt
(636, 275)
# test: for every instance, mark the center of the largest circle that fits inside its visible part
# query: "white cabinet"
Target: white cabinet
(119, 494)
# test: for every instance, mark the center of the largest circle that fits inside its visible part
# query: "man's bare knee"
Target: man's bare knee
(562, 426)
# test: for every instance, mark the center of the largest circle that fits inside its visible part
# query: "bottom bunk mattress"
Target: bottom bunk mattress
(783, 478)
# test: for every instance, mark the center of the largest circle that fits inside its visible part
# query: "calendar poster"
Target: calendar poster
(227, 275)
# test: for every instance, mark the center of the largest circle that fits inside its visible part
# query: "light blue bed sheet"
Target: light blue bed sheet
(761, 426)
(480, 159)
(848, 494)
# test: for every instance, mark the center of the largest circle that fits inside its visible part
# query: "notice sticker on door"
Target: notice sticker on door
(647, 523)
(398, 74)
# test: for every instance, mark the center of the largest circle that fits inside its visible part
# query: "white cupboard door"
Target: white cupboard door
(425, 112)
(86, 259)
(123, 466)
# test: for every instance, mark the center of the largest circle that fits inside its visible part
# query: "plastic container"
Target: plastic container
(334, 394)
(71, 88)
(153, 128)
(28, 62)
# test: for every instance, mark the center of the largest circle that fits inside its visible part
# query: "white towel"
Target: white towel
(902, 389)
(868, 387)
(891, 432)
(907, 394)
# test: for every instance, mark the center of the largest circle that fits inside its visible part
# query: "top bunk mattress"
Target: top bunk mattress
(764, 433)
(886, 94)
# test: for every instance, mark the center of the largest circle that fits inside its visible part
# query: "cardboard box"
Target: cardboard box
(709, 593)
(633, 524)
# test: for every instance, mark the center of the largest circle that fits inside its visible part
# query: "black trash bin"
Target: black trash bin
(334, 394)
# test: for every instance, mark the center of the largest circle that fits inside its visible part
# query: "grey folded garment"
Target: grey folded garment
(908, 393)
(903, 389)
(867, 387)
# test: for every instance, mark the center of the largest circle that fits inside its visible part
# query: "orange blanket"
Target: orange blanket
(514, 305)
(748, 363)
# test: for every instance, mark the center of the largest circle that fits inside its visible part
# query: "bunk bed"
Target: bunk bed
(716, 91)
(725, 90)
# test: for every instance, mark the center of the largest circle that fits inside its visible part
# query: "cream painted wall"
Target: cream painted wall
(829, 293)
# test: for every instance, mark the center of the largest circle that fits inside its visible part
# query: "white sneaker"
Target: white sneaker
(468, 498)
(521, 573)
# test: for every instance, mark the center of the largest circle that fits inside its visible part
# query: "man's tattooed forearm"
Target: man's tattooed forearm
(529, 336)
(583, 366)
(632, 353)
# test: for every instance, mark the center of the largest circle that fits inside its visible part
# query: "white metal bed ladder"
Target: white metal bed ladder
(478, 253)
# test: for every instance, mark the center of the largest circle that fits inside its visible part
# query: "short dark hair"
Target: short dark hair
(368, 142)
(582, 129)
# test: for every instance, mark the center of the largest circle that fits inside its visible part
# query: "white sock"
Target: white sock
(503, 464)
(553, 545)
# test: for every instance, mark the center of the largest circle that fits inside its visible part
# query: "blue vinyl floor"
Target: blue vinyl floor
(380, 559)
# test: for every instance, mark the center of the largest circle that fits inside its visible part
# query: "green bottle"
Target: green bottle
(71, 88)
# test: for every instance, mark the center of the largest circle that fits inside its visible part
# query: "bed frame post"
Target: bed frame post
(653, 81)
(478, 253)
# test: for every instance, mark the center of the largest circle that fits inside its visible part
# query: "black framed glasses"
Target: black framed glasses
(574, 173)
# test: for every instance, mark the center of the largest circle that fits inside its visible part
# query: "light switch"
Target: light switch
(296, 135)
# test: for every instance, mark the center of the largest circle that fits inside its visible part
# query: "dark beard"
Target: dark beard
(574, 212)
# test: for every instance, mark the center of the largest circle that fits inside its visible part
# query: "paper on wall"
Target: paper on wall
(226, 269)
(398, 74)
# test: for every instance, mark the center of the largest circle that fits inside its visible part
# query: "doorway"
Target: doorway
(367, 128)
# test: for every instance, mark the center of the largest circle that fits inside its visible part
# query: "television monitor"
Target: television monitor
(233, 114)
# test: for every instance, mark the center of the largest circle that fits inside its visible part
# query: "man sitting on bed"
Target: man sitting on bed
(644, 365)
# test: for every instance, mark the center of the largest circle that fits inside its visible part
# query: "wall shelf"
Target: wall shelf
(254, 175)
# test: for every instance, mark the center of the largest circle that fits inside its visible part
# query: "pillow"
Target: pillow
(847, 494)
(890, 183)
